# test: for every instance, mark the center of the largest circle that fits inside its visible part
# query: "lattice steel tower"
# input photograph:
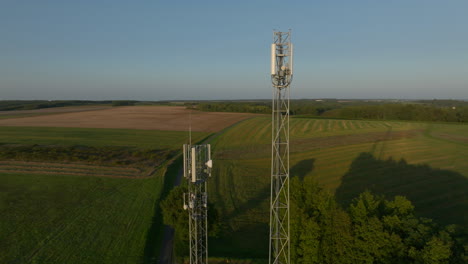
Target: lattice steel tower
(281, 77)
(197, 169)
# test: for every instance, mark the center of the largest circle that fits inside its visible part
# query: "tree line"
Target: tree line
(439, 111)
(372, 229)
(9, 105)
(408, 112)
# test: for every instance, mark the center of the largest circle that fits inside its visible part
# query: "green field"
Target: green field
(67, 219)
(426, 162)
(97, 137)
(61, 217)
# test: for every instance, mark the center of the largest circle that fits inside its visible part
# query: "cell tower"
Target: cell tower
(281, 77)
(197, 169)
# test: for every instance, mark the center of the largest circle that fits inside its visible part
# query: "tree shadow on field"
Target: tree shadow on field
(249, 241)
(302, 168)
(438, 194)
(248, 222)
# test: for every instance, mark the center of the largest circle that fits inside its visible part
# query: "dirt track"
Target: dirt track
(135, 117)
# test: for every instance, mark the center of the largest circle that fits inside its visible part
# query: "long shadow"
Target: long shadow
(247, 238)
(249, 241)
(244, 239)
(438, 194)
(302, 168)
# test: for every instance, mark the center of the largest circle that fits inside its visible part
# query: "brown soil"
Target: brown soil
(173, 118)
(452, 137)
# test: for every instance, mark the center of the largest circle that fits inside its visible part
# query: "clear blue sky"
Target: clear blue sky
(163, 50)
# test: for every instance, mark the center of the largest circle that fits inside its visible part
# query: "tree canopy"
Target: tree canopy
(371, 230)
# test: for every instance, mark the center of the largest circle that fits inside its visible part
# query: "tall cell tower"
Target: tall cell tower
(281, 77)
(197, 169)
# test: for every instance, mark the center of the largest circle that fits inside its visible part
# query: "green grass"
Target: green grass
(427, 162)
(47, 218)
(97, 137)
(70, 219)
(81, 219)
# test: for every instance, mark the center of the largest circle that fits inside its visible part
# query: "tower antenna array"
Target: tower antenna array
(281, 77)
(197, 169)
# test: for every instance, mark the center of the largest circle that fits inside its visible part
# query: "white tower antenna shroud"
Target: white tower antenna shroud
(281, 77)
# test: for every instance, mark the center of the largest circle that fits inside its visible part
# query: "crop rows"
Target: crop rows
(70, 169)
(257, 131)
(97, 137)
(75, 219)
(345, 157)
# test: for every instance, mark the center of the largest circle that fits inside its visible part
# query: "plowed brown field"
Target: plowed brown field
(135, 117)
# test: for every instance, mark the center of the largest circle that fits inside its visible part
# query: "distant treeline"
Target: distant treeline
(297, 107)
(241, 107)
(38, 104)
(410, 112)
(433, 110)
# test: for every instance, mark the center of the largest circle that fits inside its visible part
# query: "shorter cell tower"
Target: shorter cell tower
(197, 169)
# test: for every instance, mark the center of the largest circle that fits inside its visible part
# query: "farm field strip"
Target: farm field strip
(412, 156)
(258, 130)
(305, 145)
(71, 169)
(168, 118)
(68, 172)
(66, 164)
(99, 137)
(112, 217)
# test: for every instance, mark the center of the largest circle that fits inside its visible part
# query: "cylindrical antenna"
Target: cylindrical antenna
(273, 59)
(194, 165)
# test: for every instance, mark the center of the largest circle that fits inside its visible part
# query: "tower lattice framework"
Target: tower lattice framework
(281, 77)
(197, 170)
